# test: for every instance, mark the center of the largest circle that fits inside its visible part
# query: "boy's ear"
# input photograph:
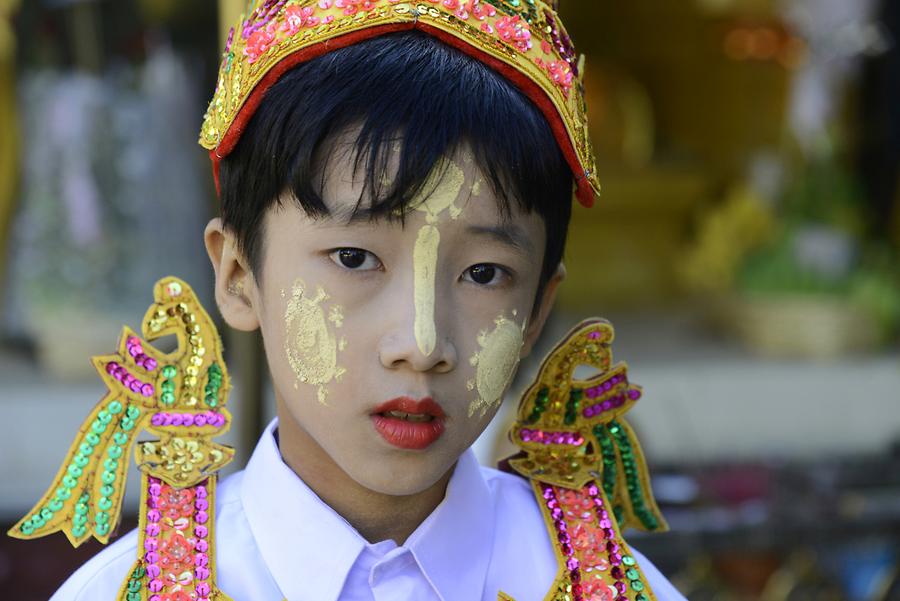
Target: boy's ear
(235, 286)
(539, 318)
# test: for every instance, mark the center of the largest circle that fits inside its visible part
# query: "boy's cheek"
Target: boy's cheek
(305, 340)
(493, 362)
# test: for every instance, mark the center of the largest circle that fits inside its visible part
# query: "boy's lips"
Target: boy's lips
(409, 424)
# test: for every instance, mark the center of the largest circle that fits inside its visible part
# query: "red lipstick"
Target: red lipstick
(409, 424)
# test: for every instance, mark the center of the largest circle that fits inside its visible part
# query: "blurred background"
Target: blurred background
(745, 248)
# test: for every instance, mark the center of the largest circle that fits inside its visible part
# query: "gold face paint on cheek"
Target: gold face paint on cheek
(425, 252)
(495, 363)
(310, 344)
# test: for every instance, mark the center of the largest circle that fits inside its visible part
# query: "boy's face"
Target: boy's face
(364, 321)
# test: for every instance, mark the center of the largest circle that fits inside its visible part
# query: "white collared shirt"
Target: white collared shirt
(275, 540)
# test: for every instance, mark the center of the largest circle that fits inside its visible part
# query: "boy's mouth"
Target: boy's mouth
(409, 424)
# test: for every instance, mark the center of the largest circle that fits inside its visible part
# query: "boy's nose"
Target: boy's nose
(399, 348)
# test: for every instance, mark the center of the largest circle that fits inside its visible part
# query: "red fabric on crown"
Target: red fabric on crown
(584, 192)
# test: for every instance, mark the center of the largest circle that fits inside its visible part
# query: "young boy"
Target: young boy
(396, 182)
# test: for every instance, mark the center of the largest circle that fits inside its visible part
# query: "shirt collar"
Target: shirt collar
(309, 549)
(454, 544)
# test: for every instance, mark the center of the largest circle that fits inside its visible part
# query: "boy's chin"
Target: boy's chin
(398, 476)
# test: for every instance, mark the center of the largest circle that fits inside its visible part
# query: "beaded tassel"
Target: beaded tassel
(162, 393)
(586, 467)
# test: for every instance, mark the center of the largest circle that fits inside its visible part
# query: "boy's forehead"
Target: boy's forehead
(456, 182)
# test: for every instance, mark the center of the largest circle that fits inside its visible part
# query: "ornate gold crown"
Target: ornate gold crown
(524, 40)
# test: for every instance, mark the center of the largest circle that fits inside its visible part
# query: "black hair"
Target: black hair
(408, 89)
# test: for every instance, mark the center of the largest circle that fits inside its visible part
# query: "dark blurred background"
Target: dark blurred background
(745, 247)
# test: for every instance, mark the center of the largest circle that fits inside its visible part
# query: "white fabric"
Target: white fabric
(275, 540)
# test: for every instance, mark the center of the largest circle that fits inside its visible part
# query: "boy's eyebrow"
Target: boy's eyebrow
(506, 233)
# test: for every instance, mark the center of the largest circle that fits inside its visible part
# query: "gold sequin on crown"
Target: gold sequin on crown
(519, 37)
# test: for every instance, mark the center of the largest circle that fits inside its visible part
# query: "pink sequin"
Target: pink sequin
(513, 30)
(260, 41)
(296, 18)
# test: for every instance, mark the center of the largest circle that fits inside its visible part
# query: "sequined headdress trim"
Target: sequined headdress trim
(523, 40)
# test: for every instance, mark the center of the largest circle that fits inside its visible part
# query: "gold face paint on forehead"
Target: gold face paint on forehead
(495, 363)
(441, 196)
(310, 343)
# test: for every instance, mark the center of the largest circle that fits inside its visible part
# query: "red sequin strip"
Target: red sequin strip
(176, 542)
(565, 541)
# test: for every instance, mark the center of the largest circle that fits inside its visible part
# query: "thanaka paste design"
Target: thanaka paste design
(439, 193)
(495, 363)
(310, 344)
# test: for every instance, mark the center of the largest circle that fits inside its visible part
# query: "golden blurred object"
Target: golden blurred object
(797, 326)
(228, 14)
(9, 141)
(620, 110)
(726, 235)
(158, 10)
(624, 251)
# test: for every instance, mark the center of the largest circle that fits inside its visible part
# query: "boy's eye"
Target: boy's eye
(355, 258)
(485, 274)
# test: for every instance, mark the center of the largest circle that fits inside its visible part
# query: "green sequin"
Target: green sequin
(114, 407)
(169, 371)
(610, 463)
(78, 531)
(540, 405)
(572, 406)
(633, 483)
(102, 529)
